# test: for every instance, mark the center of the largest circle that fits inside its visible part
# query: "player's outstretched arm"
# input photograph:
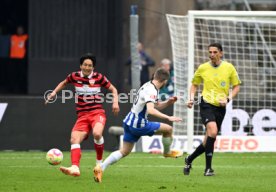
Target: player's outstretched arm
(174, 119)
(58, 88)
(115, 105)
(152, 111)
(164, 104)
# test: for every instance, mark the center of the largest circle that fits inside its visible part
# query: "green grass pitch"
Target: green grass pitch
(29, 171)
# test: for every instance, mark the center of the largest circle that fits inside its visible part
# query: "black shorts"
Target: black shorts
(210, 113)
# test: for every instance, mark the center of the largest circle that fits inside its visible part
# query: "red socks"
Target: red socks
(76, 151)
(75, 154)
(99, 147)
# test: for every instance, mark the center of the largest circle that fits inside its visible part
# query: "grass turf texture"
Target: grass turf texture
(29, 171)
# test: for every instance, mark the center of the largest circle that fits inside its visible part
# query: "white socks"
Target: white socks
(167, 141)
(112, 158)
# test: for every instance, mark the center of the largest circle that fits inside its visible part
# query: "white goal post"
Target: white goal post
(248, 39)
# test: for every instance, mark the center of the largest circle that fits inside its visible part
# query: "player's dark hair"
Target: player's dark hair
(161, 75)
(88, 56)
(217, 45)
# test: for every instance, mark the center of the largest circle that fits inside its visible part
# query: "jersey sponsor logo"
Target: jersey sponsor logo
(86, 90)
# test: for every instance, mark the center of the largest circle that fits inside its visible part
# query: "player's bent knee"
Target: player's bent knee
(74, 140)
(165, 129)
(165, 126)
(169, 130)
(97, 136)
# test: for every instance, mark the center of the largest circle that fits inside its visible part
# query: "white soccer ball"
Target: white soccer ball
(54, 156)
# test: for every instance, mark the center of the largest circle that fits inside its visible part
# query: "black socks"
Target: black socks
(209, 150)
(199, 150)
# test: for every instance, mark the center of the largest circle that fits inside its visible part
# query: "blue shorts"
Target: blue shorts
(132, 134)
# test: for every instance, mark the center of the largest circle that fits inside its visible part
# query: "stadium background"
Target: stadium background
(59, 32)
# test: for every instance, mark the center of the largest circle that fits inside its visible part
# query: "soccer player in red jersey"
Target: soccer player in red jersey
(91, 115)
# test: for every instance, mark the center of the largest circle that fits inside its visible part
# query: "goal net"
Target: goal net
(249, 43)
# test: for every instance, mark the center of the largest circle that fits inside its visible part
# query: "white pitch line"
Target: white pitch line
(150, 157)
(149, 166)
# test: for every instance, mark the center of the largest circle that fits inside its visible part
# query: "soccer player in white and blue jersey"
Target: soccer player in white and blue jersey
(136, 123)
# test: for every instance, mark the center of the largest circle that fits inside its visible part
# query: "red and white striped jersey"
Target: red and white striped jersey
(88, 91)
